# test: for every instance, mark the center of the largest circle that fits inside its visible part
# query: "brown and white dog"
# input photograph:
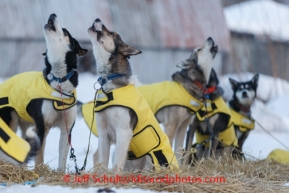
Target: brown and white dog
(114, 123)
(193, 77)
(119, 123)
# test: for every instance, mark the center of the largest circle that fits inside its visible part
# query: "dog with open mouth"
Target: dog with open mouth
(175, 102)
(215, 135)
(46, 99)
(123, 116)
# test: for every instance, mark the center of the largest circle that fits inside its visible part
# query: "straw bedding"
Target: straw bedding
(240, 176)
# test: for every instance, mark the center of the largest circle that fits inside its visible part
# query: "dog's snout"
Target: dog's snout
(244, 94)
(97, 20)
(210, 41)
(52, 16)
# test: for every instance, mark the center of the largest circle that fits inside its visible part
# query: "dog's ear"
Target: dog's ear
(233, 83)
(187, 64)
(126, 50)
(79, 50)
(255, 80)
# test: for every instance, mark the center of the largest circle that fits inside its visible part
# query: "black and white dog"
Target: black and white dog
(60, 77)
(243, 97)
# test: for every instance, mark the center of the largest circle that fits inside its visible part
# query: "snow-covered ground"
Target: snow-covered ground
(260, 17)
(258, 144)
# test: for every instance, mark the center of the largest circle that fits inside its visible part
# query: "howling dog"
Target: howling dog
(244, 94)
(214, 132)
(46, 99)
(123, 117)
(174, 102)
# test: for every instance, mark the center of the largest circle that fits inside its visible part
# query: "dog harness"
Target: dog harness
(169, 93)
(18, 91)
(148, 137)
(226, 137)
(11, 144)
(241, 121)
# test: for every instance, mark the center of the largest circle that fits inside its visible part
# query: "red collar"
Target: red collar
(204, 89)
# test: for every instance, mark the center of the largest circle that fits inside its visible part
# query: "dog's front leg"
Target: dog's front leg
(123, 138)
(189, 141)
(63, 149)
(216, 124)
(104, 148)
(242, 137)
(66, 123)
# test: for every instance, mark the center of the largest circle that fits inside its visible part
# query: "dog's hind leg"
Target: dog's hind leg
(39, 159)
(180, 136)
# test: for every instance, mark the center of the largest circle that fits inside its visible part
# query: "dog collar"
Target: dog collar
(204, 89)
(242, 108)
(51, 77)
(104, 79)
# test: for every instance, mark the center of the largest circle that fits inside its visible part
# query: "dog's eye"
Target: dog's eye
(199, 49)
(110, 33)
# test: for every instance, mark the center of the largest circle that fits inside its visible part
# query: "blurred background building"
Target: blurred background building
(252, 35)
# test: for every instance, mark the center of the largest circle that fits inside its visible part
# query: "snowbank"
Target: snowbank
(259, 17)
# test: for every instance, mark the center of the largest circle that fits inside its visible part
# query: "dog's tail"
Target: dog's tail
(34, 142)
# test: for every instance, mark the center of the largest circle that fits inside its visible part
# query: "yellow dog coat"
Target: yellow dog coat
(226, 137)
(18, 91)
(11, 144)
(243, 122)
(148, 137)
(169, 93)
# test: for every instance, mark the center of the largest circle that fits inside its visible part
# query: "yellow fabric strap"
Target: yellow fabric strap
(279, 155)
(244, 123)
(87, 113)
(213, 107)
(18, 91)
(169, 93)
(11, 144)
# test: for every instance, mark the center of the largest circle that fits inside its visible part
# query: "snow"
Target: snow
(52, 189)
(259, 17)
(259, 144)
